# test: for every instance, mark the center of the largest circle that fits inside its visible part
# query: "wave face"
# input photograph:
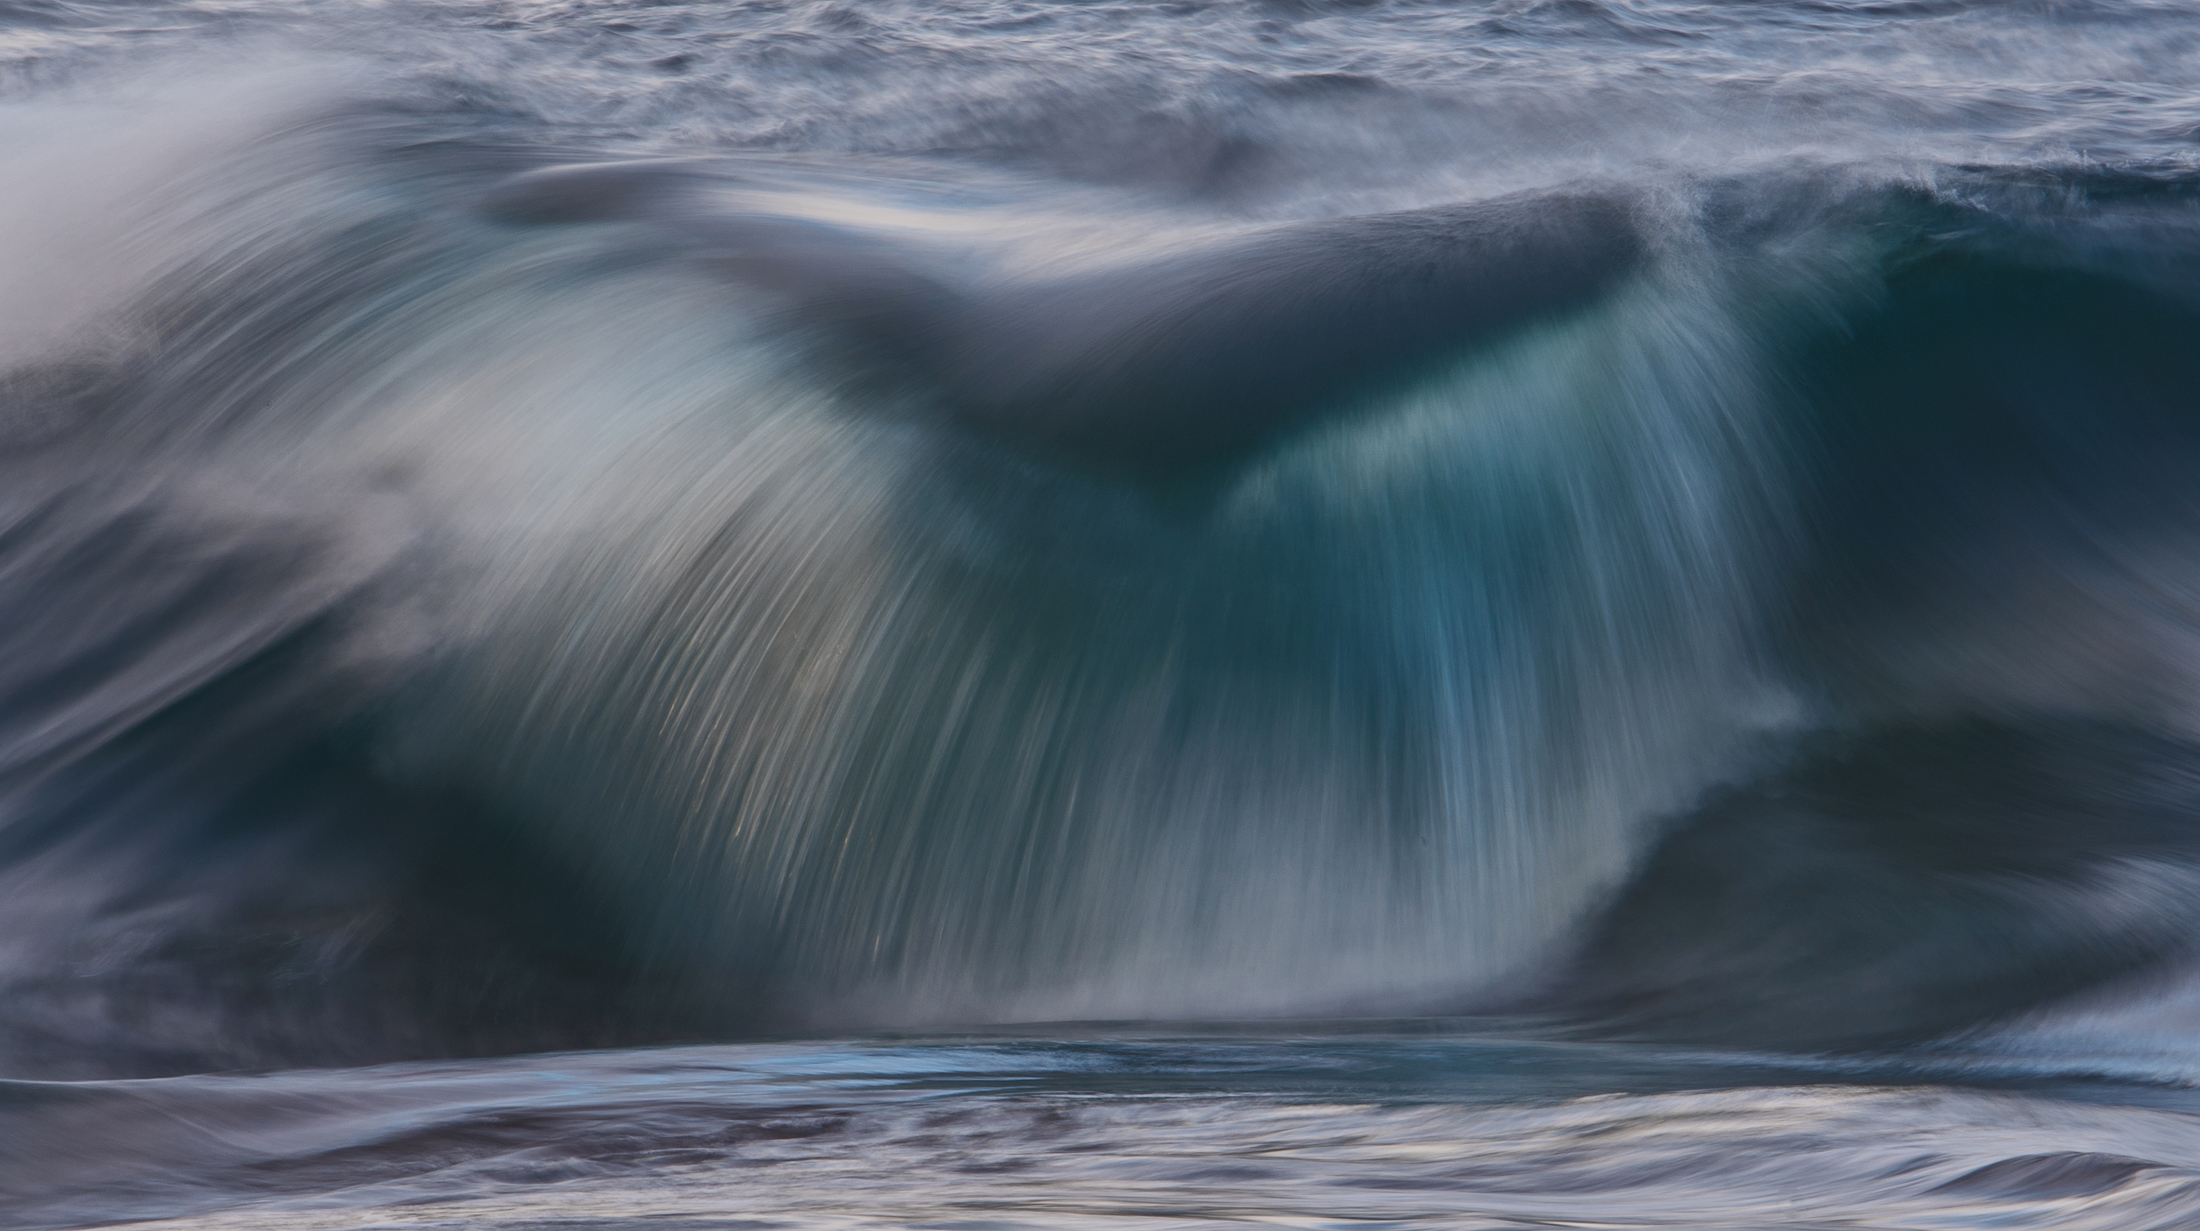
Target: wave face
(535, 529)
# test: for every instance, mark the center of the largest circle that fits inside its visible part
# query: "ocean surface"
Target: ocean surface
(978, 615)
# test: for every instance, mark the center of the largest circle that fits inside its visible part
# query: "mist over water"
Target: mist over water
(1516, 613)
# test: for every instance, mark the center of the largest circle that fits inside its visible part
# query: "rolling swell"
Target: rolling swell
(461, 613)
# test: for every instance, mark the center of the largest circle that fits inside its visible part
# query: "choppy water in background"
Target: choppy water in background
(1614, 583)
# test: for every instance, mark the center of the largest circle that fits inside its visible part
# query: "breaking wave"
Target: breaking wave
(465, 598)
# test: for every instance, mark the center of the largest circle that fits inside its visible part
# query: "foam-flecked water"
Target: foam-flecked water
(1422, 1129)
(601, 603)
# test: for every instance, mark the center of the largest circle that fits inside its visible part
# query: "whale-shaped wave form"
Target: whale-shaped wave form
(1154, 366)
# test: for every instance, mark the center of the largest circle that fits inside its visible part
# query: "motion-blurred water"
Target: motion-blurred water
(1614, 583)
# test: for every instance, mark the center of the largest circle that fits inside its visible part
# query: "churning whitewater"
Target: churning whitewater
(1520, 612)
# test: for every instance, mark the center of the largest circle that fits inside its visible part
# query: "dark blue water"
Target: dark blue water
(1583, 613)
